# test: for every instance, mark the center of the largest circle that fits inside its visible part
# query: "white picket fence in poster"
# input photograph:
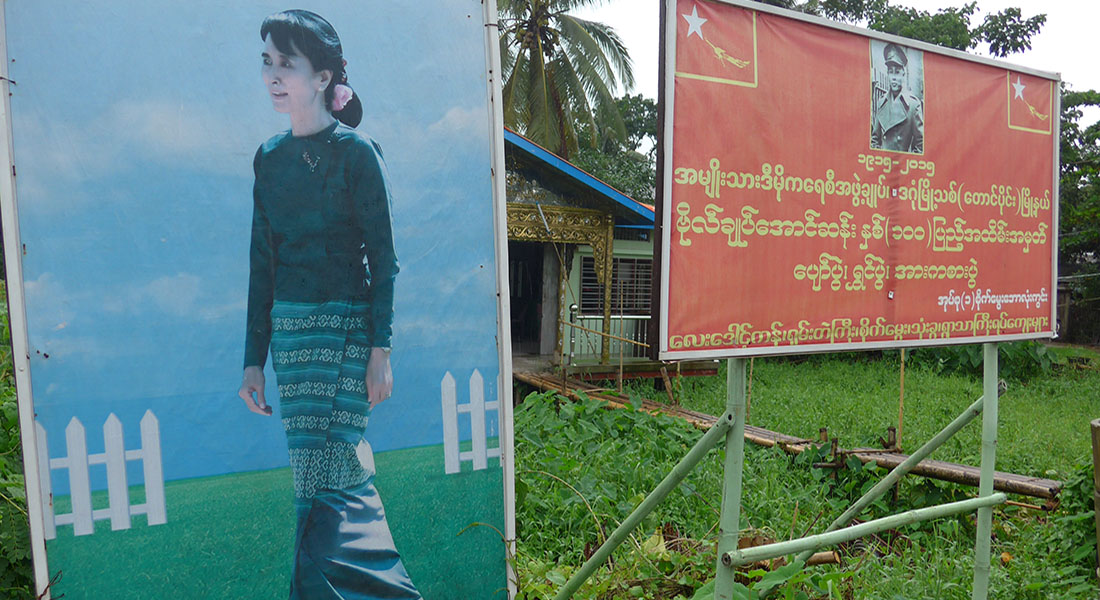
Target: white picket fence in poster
(479, 452)
(114, 456)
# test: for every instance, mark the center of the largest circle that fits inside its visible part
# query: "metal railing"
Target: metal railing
(629, 337)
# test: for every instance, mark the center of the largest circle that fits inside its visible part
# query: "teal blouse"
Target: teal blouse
(321, 231)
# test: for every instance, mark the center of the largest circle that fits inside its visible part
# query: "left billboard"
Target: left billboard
(233, 232)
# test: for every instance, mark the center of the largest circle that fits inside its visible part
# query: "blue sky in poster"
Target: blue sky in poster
(134, 133)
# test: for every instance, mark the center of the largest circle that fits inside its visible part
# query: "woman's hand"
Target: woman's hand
(379, 376)
(253, 382)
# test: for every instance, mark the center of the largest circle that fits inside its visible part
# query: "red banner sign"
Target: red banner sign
(829, 190)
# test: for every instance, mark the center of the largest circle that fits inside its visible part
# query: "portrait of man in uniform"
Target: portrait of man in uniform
(897, 98)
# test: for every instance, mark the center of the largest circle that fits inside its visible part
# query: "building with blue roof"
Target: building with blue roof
(575, 241)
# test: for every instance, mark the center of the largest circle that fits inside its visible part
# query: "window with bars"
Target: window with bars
(630, 287)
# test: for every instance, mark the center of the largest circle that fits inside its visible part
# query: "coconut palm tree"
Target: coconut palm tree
(559, 71)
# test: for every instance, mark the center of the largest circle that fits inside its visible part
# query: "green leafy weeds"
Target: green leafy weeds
(581, 469)
(15, 549)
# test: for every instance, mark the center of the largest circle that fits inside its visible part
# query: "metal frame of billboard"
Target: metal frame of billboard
(18, 316)
(664, 193)
(729, 429)
(17, 310)
(500, 240)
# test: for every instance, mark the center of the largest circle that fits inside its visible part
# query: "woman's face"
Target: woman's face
(290, 79)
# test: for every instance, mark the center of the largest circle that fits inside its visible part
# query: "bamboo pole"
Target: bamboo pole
(620, 374)
(1096, 483)
(669, 483)
(826, 557)
(668, 386)
(621, 322)
(606, 335)
(1010, 483)
(907, 465)
(985, 485)
(735, 558)
(748, 397)
(1025, 505)
(829, 557)
(966, 475)
(901, 400)
(729, 521)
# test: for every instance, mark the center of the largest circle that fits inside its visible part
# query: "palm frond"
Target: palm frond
(583, 111)
(514, 94)
(543, 123)
(559, 72)
(564, 6)
(598, 91)
(600, 39)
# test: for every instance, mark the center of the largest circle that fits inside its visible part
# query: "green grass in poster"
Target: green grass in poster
(231, 536)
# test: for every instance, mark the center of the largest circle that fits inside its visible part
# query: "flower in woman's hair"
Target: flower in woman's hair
(341, 95)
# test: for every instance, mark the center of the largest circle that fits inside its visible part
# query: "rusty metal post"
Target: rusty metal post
(609, 275)
(668, 387)
(574, 310)
(901, 402)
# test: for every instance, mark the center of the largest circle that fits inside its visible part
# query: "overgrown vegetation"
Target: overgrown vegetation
(1079, 215)
(629, 164)
(1018, 361)
(559, 74)
(15, 549)
(582, 468)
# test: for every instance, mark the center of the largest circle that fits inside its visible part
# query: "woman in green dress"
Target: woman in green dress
(322, 269)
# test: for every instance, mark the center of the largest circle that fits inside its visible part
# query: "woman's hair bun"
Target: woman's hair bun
(352, 113)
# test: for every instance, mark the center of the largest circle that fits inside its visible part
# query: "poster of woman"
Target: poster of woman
(257, 257)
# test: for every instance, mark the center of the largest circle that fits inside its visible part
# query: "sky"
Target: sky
(1057, 48)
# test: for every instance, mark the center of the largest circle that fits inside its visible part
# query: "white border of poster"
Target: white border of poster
(504, 332)
(18, 321)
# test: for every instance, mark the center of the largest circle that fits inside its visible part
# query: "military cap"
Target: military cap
(893, 53)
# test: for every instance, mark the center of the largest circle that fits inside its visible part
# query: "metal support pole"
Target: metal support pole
(736, 558)
(729, 525)
(900, 471)
(573, 310)
(985, 483)
(1095, 426)
(669, 483)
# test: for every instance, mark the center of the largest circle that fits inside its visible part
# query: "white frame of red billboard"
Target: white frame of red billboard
(664, 199)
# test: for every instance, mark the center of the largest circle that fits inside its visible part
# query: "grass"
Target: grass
(231, 536)
(1043, 422)
(610, 459)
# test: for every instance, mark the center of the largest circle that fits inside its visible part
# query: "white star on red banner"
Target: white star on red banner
(695, 22)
